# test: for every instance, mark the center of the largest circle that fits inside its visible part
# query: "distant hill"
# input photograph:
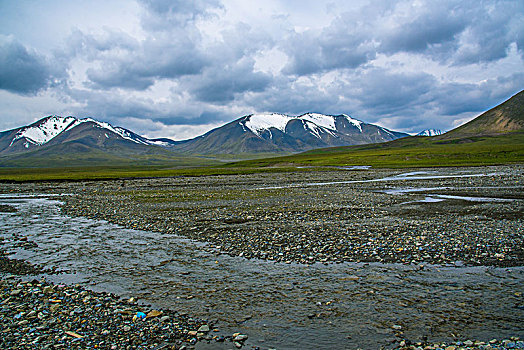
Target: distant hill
(504, 118)
(494, 137)
(280, 133)
(430, 132)
(68, 141)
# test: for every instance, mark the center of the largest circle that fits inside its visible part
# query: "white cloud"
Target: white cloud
(186, 67)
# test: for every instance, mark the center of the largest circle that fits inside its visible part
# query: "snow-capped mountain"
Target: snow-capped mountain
(69, 134)
(251, 134)
(430, 132)
(281, 133)
(47, 129)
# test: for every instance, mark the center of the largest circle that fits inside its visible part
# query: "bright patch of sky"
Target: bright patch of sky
(174, 68)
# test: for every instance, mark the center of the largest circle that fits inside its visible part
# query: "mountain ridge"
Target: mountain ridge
(282, 133)
(430, 132)
(251, 134)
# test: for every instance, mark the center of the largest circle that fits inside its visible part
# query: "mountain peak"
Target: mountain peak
(43, 130)
(430, 132)
(258, 123)
(47, 129)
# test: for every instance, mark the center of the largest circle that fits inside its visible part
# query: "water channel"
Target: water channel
(281, 306)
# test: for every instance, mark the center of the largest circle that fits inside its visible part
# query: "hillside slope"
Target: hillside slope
(504, 118)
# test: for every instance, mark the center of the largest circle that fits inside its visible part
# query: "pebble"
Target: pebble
(346, 222)
(512, 343)
(80, 319)
(335, 224)
(204, 328)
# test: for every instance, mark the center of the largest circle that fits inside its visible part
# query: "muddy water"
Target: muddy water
(282, 306)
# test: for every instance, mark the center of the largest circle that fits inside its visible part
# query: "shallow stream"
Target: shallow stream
(282, 306)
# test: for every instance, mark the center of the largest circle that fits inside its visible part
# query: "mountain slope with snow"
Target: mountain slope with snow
(281, 133)
(53, 129)
(251, 135)
(42, 131)
(430, 132)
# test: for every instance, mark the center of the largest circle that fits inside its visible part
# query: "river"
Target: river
(279, 305)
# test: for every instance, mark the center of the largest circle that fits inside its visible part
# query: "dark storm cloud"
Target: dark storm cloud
(143, 68)
(292, 97)
(160, 15)
(23, 71)
(404, 63)
(383, 93)
(458, 32)
(130, 64)
(343, 44)
(115, 107)
(492, 31)
(436, 25)
(221, 84)
(91, 47)
(456, 98)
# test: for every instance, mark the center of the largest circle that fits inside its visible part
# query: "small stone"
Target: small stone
(54, 307)
(73, 334)
(396, 327)
(164, 318)
(15, 292)
(451, 347)
(468, 343)
(127, 328)
(48, 290)
(154, 313)
(237, 345)
(203, 328)
(240, 338)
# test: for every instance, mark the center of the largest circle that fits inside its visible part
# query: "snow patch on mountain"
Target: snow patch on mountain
(258, 123)
(45, 131)
(159, 143)
(430, 132)
(315, 122)
(125, 134)
(52, 126)
(316, 130)
(355, 122)
(325, 121)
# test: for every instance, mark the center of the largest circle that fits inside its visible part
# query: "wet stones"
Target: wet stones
(7, 208)
(20, 267)
(512, 343)
(326, 224)
(40, 315)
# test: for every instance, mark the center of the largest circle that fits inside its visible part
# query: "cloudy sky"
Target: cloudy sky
(178, 68)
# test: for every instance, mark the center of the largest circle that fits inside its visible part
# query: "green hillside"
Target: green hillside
(410, 152)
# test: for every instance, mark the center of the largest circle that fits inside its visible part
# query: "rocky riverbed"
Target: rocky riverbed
(39, 315)
(449, 217)
(446, 216)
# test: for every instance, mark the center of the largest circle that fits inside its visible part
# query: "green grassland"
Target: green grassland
(411, 152)
(124, 172)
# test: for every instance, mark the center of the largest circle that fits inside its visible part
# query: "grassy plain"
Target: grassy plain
(411, 152)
